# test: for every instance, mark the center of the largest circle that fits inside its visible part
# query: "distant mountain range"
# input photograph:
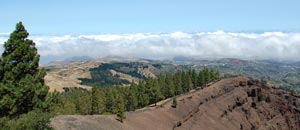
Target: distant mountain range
(284, 74)
(79, 58)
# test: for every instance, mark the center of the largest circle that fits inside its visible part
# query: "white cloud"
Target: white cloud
(219, 44)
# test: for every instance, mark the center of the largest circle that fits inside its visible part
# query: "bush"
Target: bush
(121, 116)
(3, 123)
(34, 120)
(174, 103)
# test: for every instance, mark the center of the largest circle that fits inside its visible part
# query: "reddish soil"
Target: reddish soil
(230, 104)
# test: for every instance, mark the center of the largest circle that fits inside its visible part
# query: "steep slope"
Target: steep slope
(234, 103)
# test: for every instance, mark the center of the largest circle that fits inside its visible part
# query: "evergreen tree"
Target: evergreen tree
(120, 107)
(200, 79)
(178, 83)
(85, 99)
(162, 84)
(110, 102)
(206, 75)
(143, 97)
(174, 103)
(189, 83)
(156, 94)
(98, 100)
(119, 99)
(216, 75)
(184, 82)
(121, 115)
(22, 85)
(170, 87)
(131, 100)
(194, 78)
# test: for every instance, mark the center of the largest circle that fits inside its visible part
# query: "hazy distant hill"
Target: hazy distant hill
(111, 58)
(79, 58)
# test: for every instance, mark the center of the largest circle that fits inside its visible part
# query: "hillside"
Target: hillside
(122, 70)
(66, 74)
(236, 103)
(279, 74)
(84, 74)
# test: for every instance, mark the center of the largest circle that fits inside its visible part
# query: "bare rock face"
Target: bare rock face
(236, 103)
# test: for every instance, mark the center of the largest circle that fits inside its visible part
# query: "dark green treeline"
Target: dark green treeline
(116, 100)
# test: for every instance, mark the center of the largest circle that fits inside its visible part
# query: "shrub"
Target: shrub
(121, 116)
(34, 120)
(174, 103)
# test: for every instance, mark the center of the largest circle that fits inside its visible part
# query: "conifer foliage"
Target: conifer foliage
(118, 99)
(121, 116)
(174, 102)
(22, 85)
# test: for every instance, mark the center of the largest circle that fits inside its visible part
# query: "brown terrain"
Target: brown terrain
(236, 103)
(66, 76)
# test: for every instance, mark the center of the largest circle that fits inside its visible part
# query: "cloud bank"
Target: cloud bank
(219, 44)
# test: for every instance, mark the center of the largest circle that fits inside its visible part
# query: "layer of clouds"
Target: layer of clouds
(268, 45)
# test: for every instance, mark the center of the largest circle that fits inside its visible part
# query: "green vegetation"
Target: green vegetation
(101, 76)
(121, 115)
(23, 93)
(33, 120)
(26, 104)
(174, 103)
(117, 99)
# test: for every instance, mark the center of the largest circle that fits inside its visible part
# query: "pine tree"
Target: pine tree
(121, 115)
(131, 100)
(190, 83)
(200, 79)
(174, 103)
(22, 85)
(85, 99)
(211, 75)
(120, 107)
(170, 87)
(178, 83)
(155, 92)
(98, 100)
(143, 97)
(206, 76)
(194, 78)
(184, 82)
(110, 101)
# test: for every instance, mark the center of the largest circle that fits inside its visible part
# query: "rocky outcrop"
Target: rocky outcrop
(236, 103)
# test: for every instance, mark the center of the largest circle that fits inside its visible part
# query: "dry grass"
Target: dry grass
(67, 77)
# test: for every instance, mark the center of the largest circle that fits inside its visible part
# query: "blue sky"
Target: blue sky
(54, 17)
(157, 29)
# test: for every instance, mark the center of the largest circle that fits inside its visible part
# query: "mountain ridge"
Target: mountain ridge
(236, 103)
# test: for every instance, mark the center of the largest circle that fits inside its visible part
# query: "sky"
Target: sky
(157, 29)
(144, 16)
